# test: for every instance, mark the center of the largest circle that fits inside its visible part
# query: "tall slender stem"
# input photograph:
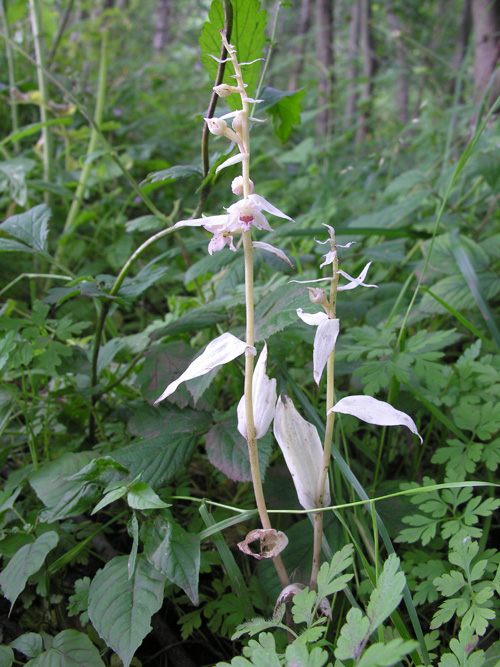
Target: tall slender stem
(12, 77)
(36, 26)
(330, 422)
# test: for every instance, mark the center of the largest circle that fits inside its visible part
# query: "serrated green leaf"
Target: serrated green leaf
(329, 581)
(30, 227)
(172, 174)
(142, 497)
(303, 605)
(175, 553)
(388, 593)
(27, 561)
(278, 309)
(299, 654)
(247, 36)
(96, 467)
(284, 108)
(352, 635)
(384, 655)
(449, 584)
(120, 608)
(69, 648)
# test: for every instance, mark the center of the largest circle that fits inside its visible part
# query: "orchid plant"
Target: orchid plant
(307, 458)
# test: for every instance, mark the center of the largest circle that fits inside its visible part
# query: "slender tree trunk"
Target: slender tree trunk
(299, 49)
(402, 85)
(463, 35)
(486, 21)
(366, 39)
(324, 51)
(352, 65)
(162, 30)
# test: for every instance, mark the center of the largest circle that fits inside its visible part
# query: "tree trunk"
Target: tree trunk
(463, 35)
(352, 65)
(298, 50)
(368, 51)
(402, 86)
(162, 30)
(324, 51)
(486, 21)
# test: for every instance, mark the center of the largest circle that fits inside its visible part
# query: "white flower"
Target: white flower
(241, 217)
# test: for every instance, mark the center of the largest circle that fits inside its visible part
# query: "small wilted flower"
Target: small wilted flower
(237, 186)
(219, 127)
(224, 90)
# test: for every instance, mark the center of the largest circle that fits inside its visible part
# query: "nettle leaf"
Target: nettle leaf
(278, 309)
(171, 174)
(27, 561)
(227, 450)
(120, 608)
(247, 36)
(96, 468)
(175, 553)
(30, 227)
(284, 108)
(6, 656)
(69, 648)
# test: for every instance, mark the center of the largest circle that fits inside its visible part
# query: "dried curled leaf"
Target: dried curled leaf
(272, 542)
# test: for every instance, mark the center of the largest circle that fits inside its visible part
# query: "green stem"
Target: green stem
(36, 26)
(12, 78)
(330, 422)
(60, 30)
(70, 224)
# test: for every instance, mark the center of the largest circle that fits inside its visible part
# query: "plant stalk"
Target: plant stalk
(330, 422)
(36, 26)
(12, 77)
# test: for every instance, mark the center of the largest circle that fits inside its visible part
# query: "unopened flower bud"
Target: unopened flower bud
(237, 186)
(238, 122)
(317, 295)
(224, 90)
(216, 126)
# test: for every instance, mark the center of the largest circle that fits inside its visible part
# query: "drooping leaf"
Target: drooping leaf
(120, 608)
(373, 411)
(247, 36)
(30, 227)
(220, 351)
(175, 553)
(27, 561)
(69, 648)
(299, 441)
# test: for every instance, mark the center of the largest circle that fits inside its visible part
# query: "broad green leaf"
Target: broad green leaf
(388, 593)
(175, 553)
(76, 288)
(142, 497)
(394, 215)
(110, 496)
(147, 276)
(62, 496)
(171, 174)
(30, 644)
(227, 450)
(278, 309)
(96, 468)
(6, 656)
(144, 224)
(69, 648)
(247, 36)
(27, 561)
(158, 459)
(284, 108)
(31, 227)
(149, 422)
(120, 608)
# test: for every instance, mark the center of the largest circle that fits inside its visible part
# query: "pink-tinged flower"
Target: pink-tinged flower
(241, 217)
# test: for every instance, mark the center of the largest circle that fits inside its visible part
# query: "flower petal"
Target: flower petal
(263, 398)
(216, 220)
(221, 350)
(232, 160)
(299, 441)
(329, 258)
(355, 282)
(270, 248)
(324, 344)
(313, 319)
(372, 411)
(264, 205)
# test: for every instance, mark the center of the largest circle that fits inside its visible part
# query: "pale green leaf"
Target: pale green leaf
(30, 227)
(388, 593)
(69, 648)
(384, 655)
(142, 497)
(30, 644)
(6, 656)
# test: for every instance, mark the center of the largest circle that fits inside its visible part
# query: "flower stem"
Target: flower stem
(330, 421)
